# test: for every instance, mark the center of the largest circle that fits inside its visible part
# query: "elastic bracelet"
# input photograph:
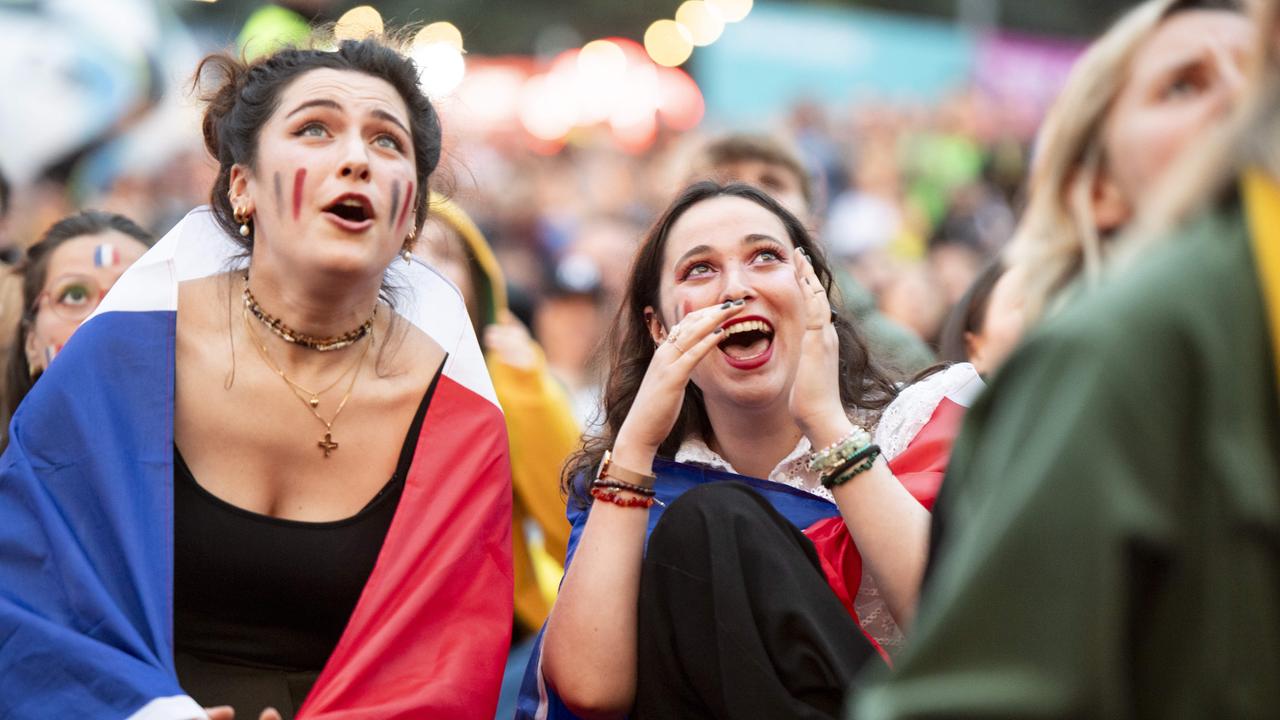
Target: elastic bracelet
(856, 465)
(619, 485)
(840, 451)
(617, 499)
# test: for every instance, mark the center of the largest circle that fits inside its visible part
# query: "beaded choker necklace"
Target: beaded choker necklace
(289, 335)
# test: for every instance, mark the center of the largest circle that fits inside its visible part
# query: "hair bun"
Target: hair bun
(218, 81)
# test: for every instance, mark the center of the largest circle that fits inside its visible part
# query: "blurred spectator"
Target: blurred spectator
(540, 423)
(64, 277)
(985, 325)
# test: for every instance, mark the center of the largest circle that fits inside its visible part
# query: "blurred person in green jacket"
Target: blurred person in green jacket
(1113, 513)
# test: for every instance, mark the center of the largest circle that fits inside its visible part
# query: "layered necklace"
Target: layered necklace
(310, 398)
(289, 335)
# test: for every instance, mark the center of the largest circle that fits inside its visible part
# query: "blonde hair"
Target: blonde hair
(1247, 140)
(1057, 239)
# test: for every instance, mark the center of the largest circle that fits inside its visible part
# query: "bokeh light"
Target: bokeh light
(732, 10)
(702, 20)
(668, 43)
(358, 23)
(440, 68)
(440, 32)
(602, 59)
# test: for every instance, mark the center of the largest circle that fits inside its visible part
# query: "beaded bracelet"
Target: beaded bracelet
(841, 450)
(609, 482)
(854, 467)
(617, 499)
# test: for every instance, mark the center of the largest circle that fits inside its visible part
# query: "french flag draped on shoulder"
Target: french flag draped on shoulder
(86, 523)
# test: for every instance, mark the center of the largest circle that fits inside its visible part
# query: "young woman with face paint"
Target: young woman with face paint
(317, 445)
(64, 277)
(730, 375)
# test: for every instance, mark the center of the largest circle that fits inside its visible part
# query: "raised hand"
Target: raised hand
(815, 396)
(661, 393)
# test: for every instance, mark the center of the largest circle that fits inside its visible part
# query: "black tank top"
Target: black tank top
(260, 602)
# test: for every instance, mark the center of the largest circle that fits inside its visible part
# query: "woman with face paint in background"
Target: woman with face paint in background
(64, 277)
(272, 465)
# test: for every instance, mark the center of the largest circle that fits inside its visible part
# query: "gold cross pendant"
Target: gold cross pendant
(327, 445)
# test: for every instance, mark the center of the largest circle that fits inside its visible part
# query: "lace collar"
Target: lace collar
(897, 427)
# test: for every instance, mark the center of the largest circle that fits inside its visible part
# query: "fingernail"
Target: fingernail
(726, 304)
(718, 331)
(739, 302)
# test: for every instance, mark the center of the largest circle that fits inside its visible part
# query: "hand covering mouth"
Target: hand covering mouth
(746, 338)
(352, 208)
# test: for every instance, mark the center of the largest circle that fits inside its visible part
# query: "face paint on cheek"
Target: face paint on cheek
(404, 212)
(395, 203)
(106, 255)
(298, 179)
(279, 196)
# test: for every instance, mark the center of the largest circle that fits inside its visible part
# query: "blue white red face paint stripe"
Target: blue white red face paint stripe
(298, 179)
(404, 212)
(395, 202)
(106, 255)
(279, 195)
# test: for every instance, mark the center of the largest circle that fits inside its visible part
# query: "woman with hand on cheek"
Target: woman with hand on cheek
(786, 482)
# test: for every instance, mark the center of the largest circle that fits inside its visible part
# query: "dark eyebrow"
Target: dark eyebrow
(382, 114)
(696, 250)
(751, 239)
(392, 119)
(314, 103)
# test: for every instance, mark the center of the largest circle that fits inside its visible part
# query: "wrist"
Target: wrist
(633, 456)
(827, 429)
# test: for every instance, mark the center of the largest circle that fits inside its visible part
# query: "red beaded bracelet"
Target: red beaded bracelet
(617, 499)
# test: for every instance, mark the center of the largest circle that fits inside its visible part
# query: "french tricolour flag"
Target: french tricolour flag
(86, 523)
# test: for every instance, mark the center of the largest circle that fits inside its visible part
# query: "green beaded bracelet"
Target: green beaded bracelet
(855, 466)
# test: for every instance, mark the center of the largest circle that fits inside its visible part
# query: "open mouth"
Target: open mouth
(351, 209)
(747, 340)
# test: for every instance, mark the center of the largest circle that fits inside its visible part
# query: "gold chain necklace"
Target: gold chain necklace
(326, 444)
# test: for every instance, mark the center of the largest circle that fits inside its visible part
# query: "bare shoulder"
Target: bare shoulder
(407, 354)
(204, 304)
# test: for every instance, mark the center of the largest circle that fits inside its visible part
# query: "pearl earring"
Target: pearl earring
(243, 217)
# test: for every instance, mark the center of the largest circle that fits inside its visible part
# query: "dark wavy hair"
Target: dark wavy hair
(863, 383)
(244, 96)
(34, 271)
